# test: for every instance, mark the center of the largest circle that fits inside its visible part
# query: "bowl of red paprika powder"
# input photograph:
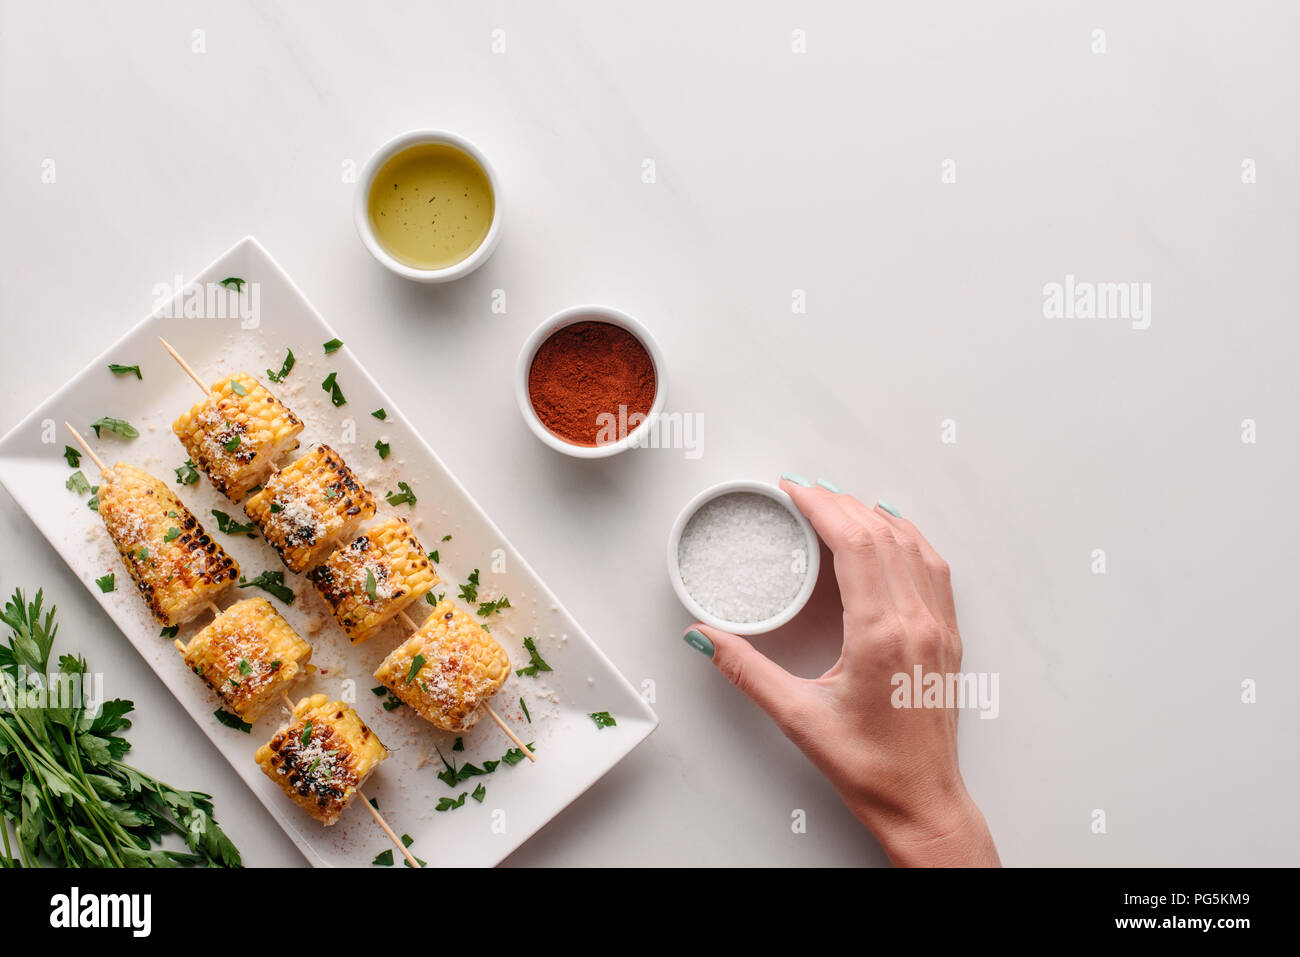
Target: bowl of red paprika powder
(590, 381)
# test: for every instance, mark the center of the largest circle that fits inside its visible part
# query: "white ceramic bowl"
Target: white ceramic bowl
(743, 627)
(361, 206)
(568, 317)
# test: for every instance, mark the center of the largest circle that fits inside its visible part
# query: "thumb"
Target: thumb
(757, 676)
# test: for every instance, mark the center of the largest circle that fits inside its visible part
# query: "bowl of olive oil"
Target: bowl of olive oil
(428, 206)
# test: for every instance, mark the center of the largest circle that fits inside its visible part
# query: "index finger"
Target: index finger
(858, 568)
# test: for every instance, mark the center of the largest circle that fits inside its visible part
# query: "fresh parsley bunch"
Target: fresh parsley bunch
(63, 785)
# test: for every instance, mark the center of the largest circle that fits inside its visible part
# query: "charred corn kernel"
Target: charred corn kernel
(237, 433)
(177, 567)
(447, 669)
(322, 757)
(248, 656)
(369, 580)
(309, 505)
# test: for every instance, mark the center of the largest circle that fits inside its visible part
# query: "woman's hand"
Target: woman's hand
(896, 768)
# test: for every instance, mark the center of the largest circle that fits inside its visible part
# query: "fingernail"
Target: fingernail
(797, 479)
(830, 486)
(699, 641)
(889, 508)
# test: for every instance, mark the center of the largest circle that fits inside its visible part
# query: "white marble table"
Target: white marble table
(775, 171)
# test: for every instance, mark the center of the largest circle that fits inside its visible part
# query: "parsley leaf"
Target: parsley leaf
(107, 583)
(233, 721)
(237, 387)
(233, 281)
(536, 662)
(372, 588)
(228, 525)
(384, 859)
(119, 427)
(469, 590)
(524, 704)
(271, 582)
(380, 414)
(492, 607)
(480, 793)
(333, 346)
(73, 457)
(77, 483)
(447, 804)
(116, 369)
(187, 474)
(285, 368)
(382, 447)
(405, 497)
(603, 719)
(416, 664)
(331, 386)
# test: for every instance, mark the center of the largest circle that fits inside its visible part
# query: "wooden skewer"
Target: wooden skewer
(406, 620)
(185, 365)
(85, 448)
(379, 818)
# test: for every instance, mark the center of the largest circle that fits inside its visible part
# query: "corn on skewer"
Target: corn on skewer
(360, 618)
(374, 811)
(491, 712)
(175, 565)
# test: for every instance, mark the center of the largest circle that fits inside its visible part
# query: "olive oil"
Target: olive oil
(431, 206)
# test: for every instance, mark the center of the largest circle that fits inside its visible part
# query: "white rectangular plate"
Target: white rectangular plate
(572, 752)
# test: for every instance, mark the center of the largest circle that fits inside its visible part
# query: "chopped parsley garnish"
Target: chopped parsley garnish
(285, 368)
(416, 664)
(276, 507)
(93, 503)
(603, 719)
(379, 692)
(469, 590)
(380, 414)
(187, 474)
(480, 793)
(331, 386)
(384, 858)
(433, 599)
(524, 704)
(271, 582)
(116, 369)
(142, 553)
(233, 281)
(233, 721)
(228, 525)
(77, 483)
(372, 590)
(107, 583)
(536, 662)
(407, 840)
(404, 497)
(392, 704)
(333, 346)
(173, 533)
(492, 607)
(245, 668)
(459, 745)
(237, 387)
(171, 632)
(73, 457)
(514, 756)
(382, 447)
(306, 734)
(119, 427)
(447, 804)
(446, 538)
(233, 444)
(331, 493)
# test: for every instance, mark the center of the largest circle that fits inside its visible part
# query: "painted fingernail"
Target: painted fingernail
(797, 479)
(699, 641)
(889, 508)
(830, 486)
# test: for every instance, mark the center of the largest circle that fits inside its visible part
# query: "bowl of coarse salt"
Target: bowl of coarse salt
(742, 558)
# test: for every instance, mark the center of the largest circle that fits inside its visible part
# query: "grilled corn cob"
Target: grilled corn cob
(447, 669)
(236, 433)
(322, 757)
(369, 580)
(248, 655)
(174, 563)
(308, 506)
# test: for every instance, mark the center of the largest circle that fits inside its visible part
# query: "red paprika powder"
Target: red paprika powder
(587, 370)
